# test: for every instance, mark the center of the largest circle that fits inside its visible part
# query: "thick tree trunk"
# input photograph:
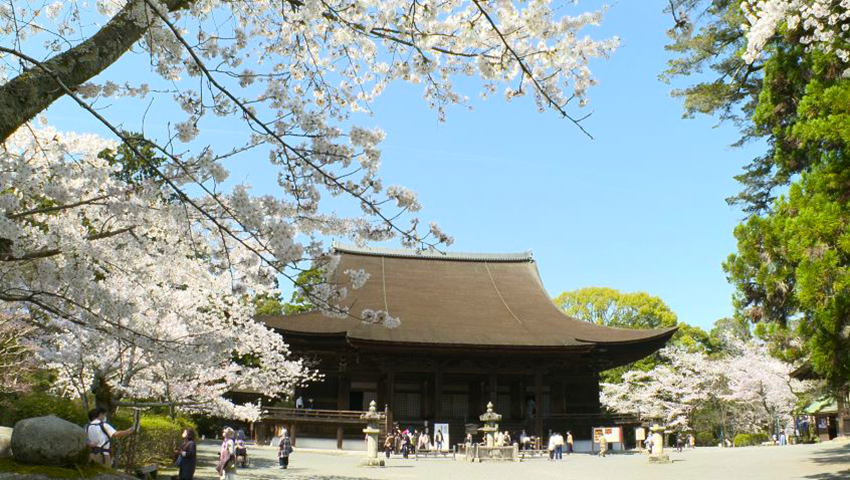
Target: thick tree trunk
(31, 92)
(103, 396)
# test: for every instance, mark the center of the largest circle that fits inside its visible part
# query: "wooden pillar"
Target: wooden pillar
(523, 405)
(516, 401)
(538, 403)
(339, 437)
(438, 394)
(425, 399)
(390, 389)
(292, 433)
(475, 400)
(557, 396)
(344, 394)
(494, 389)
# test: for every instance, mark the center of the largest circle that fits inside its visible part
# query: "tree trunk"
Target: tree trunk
(31, 92)
(103, 396)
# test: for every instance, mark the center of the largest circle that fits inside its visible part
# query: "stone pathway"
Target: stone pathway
(829, 461)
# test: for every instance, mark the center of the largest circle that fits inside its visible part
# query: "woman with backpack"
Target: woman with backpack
(284, 450)
(187, 456)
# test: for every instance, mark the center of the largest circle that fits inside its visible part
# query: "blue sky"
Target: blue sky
(640, 207)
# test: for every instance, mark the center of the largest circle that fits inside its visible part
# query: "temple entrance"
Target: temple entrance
(355, 400)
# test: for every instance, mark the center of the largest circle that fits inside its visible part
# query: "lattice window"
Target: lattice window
(408, 405)
(454, 405)
(503, 404)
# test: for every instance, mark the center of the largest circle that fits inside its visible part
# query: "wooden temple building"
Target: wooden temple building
(475, 328)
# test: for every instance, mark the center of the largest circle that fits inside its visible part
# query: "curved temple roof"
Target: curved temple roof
(456, 299)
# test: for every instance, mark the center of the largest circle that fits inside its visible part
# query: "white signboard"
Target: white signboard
(442, 428)
(612, 434)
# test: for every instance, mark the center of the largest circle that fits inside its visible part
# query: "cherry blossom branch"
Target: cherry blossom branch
(249, 113)
(528, 72)
(50, 252)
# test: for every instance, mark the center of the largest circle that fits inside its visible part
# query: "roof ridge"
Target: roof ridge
(433, 254)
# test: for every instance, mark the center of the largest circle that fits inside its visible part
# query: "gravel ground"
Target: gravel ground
(830, 461)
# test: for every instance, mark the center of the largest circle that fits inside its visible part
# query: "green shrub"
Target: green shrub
(17, 407)
(706, 439)
(750, 439)
(156, 442)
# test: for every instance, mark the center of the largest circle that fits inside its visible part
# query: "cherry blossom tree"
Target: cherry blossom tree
(134, 256)
(754, 390)
(668, 393)
(760, 388)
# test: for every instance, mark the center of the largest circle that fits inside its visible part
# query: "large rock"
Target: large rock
(5, 442)
(49, 441)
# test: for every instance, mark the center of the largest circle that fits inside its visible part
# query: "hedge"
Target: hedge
(750, 439)
(156, 442)
(706, 439)
(17, 407)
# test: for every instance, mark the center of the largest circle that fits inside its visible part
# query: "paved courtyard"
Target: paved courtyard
(816, 462)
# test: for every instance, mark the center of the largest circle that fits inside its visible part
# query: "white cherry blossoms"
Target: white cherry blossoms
(824, 25)
(123, 285)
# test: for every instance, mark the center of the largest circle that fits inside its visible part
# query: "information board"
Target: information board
(611, 434)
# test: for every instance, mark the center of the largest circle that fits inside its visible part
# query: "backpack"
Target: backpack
(100, 449)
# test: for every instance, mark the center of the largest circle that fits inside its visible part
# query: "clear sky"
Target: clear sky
(640, 207)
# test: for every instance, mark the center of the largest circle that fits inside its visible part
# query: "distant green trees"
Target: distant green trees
(299, 301)
(613, 308)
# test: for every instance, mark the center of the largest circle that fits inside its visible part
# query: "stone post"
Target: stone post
(372, 417)
(657, 454)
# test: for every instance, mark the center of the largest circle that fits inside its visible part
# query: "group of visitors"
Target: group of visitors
(234, 452)
(557, 443)
(408, 441)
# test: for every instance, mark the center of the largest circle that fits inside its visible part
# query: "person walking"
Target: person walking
(438, 440)
(680, 442)
(100, 435)
(187, 456)
(226, 467)
(692, 440)
(603, 446)
(569, 443)
(284, 450)
(405, 446)
(389, 444)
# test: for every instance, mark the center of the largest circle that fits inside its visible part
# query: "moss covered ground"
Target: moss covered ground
(83, 471)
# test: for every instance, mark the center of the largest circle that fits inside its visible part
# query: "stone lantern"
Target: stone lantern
(657, 454)
(372, 417)
(491, 421)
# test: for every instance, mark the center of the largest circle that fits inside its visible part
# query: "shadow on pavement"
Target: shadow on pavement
(830, 456)
(842, 475)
